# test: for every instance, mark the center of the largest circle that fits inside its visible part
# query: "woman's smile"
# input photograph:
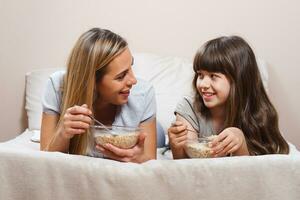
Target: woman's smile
(125, 93)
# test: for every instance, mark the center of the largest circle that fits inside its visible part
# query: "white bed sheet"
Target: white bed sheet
(26, 173)
(23, 141)
(29, 140)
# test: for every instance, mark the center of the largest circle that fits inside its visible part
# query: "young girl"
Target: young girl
(99, 82)
(230, 101)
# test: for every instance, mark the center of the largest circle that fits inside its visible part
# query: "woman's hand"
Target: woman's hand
(76, 120)
(229, 141)
(134, 154)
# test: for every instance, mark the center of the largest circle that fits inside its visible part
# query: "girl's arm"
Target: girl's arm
(230, 141)
(143, 151)
(178, 134)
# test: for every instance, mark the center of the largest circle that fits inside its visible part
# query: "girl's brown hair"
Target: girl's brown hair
(87, 64)
(248, 106)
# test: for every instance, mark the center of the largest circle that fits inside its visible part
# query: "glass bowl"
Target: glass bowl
(120, 136)
(199, 147)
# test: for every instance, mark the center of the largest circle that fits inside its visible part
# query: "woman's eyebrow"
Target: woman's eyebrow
(125, 71)
(121, 73)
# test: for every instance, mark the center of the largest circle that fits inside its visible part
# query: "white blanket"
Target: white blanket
(26, 173)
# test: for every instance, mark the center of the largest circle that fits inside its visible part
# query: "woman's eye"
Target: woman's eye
(121, 77)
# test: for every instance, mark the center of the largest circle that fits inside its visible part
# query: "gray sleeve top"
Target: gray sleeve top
(185, 108)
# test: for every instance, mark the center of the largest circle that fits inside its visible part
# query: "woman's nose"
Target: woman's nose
(132, 80)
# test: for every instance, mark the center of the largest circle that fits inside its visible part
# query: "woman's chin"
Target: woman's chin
(122, 101)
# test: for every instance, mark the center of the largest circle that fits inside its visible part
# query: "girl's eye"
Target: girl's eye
(200, 75)
(213, 76)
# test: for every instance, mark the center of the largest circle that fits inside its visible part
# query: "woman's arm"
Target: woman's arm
(178, 134)
(149, 128)
(51, 139)
(56, 137)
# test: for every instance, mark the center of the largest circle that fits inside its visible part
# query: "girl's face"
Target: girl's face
(214, 88)
(114, 87)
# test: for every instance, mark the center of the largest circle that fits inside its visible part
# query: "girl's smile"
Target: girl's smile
(207, 95)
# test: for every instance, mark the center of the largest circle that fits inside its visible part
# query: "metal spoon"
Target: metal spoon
(102, 125)
(174, 125)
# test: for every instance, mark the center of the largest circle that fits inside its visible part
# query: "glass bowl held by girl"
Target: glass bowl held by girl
(199, 147)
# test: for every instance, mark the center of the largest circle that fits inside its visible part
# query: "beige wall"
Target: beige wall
(40, 33)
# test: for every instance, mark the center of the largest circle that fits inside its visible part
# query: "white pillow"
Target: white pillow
(35, 85)
(171, 77)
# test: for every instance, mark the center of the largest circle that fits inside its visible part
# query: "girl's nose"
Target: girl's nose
(205, 82)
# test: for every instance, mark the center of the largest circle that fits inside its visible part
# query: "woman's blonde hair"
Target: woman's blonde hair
(87, 63)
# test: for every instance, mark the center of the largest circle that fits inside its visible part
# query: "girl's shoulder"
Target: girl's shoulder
(186, 109)
(186, 102)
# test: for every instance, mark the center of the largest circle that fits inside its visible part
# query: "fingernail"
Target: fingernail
(100, 148)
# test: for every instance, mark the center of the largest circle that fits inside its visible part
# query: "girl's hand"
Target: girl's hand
(230, 140)
(134, 154)
(76, 120)
(177, 135)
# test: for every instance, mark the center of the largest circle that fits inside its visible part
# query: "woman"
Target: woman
(99, 81)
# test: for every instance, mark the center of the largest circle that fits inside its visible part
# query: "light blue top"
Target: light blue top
(141, 105)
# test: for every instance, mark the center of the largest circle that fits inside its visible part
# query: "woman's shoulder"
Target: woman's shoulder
(58, 75)
(56, 79)
(142, 88)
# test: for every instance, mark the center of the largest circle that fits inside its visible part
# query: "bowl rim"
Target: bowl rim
(117, 126)
(115, 132)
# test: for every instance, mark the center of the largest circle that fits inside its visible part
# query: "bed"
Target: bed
(27, 173)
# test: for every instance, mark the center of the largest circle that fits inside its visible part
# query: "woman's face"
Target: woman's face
(114, 87)
(214, 88)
